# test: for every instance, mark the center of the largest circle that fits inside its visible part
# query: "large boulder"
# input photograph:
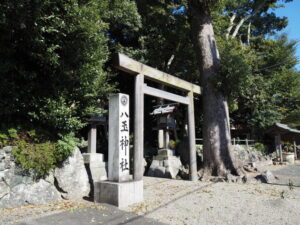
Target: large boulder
(41, 192)
(71, 177)
(18, 187)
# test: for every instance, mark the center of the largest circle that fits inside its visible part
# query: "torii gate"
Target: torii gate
(142, 72)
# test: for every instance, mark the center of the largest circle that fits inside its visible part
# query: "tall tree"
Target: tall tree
(218, 159)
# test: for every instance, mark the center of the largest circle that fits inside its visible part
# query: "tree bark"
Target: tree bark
(218, 158)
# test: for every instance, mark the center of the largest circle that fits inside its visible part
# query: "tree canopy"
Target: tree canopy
(55, 56)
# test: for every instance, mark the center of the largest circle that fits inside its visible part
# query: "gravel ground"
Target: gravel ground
(185, 202)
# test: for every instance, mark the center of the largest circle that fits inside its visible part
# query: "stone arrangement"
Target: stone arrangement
(19, 187)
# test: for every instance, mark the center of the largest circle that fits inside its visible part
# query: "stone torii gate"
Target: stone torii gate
(141, 73)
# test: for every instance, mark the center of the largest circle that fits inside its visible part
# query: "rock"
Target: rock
(20, 187)
(249, 169)
(8, 149)
(15, 175)
(4, 189)
(245, 178)
(71, 178)
(41, 192)
(249, 179)
(167, 167)
(183, 172)
(50, 177)
(250, 155)
(2, 166)
(230, 178)
(266, 177)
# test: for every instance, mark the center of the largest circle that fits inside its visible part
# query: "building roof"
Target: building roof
(283, 129)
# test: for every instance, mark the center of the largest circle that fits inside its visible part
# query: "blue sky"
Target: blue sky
(292, 12)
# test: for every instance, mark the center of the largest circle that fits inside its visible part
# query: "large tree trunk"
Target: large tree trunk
(218, 159)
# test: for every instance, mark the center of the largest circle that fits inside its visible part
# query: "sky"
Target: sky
(292, 12)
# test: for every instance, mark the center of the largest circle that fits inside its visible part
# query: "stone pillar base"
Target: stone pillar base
(165, 164)
(119, 194)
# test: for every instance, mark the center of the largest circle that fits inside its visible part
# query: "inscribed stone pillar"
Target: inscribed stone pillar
(118, 149)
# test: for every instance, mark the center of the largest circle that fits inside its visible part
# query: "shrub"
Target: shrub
(42, 157)
(65, 146)
(260, 147)
(3, 139)
(39, 157)
(7, 136)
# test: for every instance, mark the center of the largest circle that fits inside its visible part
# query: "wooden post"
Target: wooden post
(280, 148)
(138, 162)
(277, 143)
(295, 150)
(247, 143)
(280, 151)
(192, 136)
(233, 141)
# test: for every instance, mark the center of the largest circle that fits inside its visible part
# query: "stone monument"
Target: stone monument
(120, 189)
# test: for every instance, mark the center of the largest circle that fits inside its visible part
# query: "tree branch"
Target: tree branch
(230, 26)
(248, 33)
(237, 28)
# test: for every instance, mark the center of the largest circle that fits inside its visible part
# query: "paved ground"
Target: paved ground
(289, 174)
(106, 215)
(180, 202)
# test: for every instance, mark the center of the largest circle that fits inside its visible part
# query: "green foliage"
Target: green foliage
(3, 139)
(52, 62)
(235, 67)
(292, 118)
(7, 136)
(12, 133)
(260, 147)
(39, 157)
(65, 146)
(60, 115)
(32, 152)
